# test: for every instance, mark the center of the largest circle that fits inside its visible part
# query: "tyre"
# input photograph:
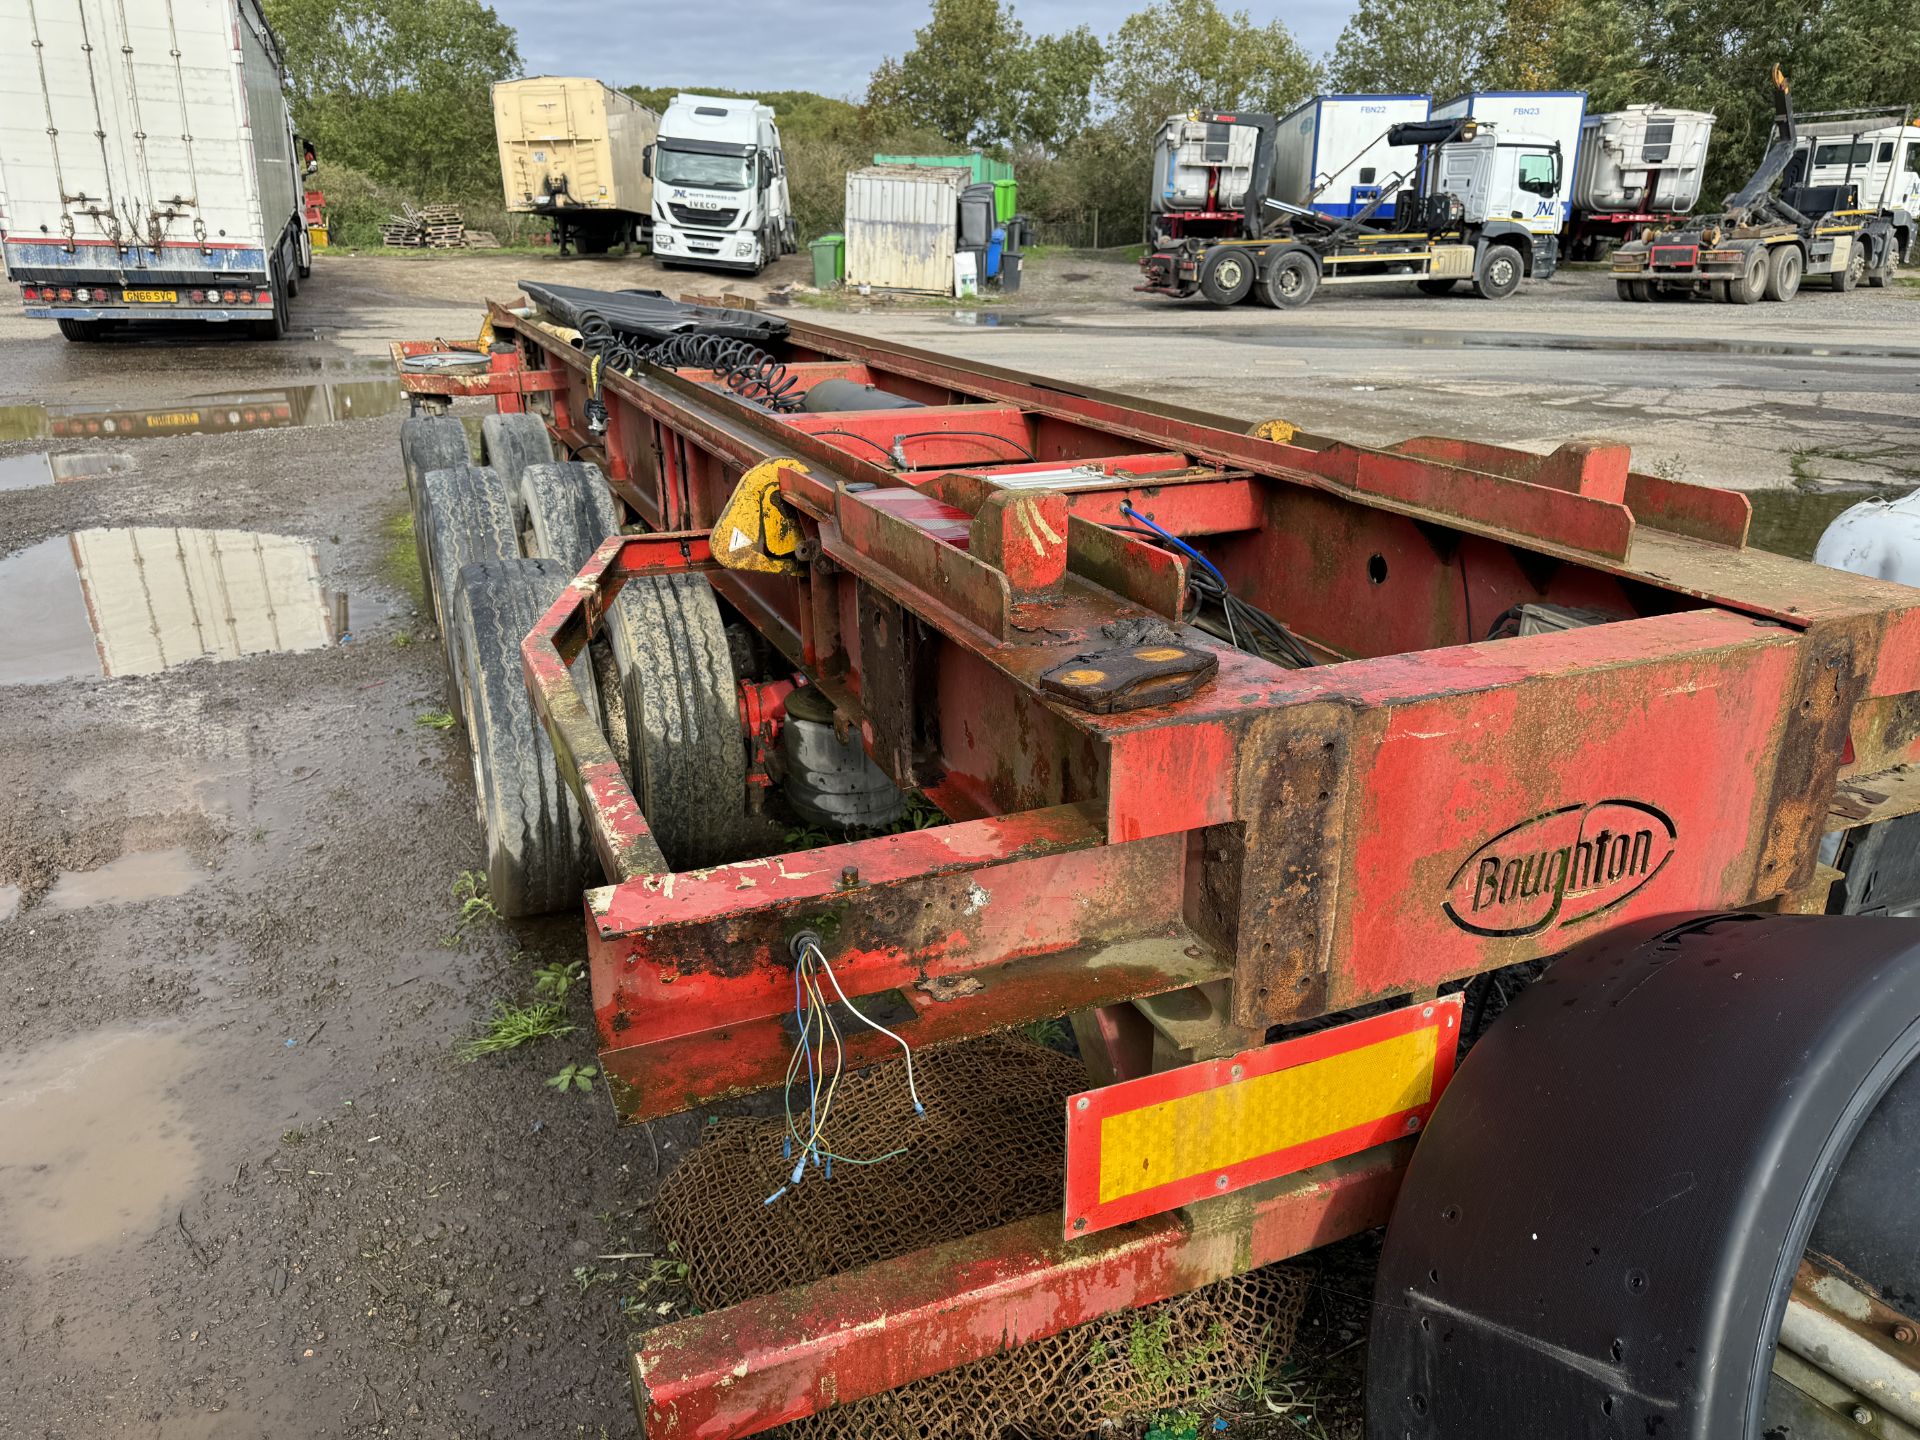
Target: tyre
(428, 442)
(81, 331)
(1435, 287)
(510, 443)
(1569, 1258)
(1845, 279)
(276, 327)
(1751, 283)
(304, 246)
(1785, 266)
(1291, 279)
(683, 716)
(469, 519)
(539, 854)
(569, 511)
(1226, 275)
(1501, 271)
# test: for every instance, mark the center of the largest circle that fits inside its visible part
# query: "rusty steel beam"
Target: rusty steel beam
(738, 1371)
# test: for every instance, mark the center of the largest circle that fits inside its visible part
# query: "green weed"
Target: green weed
(555, 980)
(573, 1077)
(403, 639)
(1051, 1033)
(400, 561)
(512, 1026)
(435, 719)
(470, 889)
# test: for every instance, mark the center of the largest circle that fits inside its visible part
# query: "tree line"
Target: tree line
(396, 92)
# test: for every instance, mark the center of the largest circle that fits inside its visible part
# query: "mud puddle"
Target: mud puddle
(269, 408)
(92, 1148)
(1791, 522)
(24, 472)
(143, 875)
(141, 599)
(9, 901)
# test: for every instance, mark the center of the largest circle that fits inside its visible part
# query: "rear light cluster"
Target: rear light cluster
(66, 295)
(231, 297)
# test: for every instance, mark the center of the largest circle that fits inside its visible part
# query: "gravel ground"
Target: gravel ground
(246, 1188)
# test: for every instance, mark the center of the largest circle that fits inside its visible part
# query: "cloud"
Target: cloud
(828, 46)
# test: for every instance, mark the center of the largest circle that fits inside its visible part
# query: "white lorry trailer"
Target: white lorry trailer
(1556, 115)
(720, 198)
(149, 164)
(1332, 152)
(572, 150)
(1638, 166)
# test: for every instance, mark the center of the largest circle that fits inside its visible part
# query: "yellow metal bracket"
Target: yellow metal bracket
(756, 531)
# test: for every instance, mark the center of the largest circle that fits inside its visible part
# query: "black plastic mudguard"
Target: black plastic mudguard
(1598, 1231)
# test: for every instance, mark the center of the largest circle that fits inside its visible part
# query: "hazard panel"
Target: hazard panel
(1153, 1144)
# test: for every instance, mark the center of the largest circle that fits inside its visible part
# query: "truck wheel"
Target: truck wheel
(1751, 283)
(1291, 280)
(539, 854)
(276, 327)
(510, 443)
(1226, 276)
(469, 519)
(1856, 271)
(1435, 287)
(569, 510)
(428, 442)
(1501, 270)
(1600, 1229)
(1784, 269)
(82, 331)
(683, 716)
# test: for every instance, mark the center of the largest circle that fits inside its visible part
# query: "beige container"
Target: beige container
(572, 144)
(901, 227)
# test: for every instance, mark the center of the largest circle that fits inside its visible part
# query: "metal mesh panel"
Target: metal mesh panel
(988, 1151)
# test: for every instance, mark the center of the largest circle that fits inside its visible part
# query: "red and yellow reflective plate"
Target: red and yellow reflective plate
(1162, 1141)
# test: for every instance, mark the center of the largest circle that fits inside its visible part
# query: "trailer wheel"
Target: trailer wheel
(428, 442)
(1501, 270)
(274, 328)
(539, 855)
(469, 519)
(1784, 269)
(1751, 283)
(1601, 1225)
(510, 443)
(1291, 280)
(1436, 287)
(82, 331)
(569, 510)
(683, 716)
(1856, 271)
(1226, 275)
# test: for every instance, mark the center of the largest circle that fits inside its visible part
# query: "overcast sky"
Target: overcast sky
(828, 46)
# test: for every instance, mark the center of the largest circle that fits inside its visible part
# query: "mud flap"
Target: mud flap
(1597, 1234)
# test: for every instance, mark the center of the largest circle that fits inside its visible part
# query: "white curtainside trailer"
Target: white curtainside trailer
(574, 150)
(149, 164)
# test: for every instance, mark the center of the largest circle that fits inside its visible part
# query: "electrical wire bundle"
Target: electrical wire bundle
(819, 1030)
(1247, 627)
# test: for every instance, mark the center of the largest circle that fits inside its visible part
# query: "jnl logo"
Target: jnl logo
(1559, 868)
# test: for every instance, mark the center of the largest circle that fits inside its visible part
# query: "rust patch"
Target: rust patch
(1836, 663)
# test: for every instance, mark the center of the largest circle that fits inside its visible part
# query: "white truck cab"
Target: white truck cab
(1505, 175)
(720, 197)
(1884, 163)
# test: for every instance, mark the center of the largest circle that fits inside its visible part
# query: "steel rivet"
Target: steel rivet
(1413, 1122)
(1221, 1183)
(1080, 1223)
(1081, 1103)
(1427, 1014)
(1239, 1071)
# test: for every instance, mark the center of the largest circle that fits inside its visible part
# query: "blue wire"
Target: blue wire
(1126, 508)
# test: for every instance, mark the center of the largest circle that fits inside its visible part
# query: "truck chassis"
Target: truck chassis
(1141, 812)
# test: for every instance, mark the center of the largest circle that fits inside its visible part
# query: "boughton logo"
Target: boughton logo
(1559, 868)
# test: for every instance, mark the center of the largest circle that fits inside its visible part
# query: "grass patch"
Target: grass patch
(512, 1026)
(435, 719)
(400, 557)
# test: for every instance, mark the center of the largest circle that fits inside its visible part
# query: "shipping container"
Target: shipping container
(574, 149)
(983, 168)
(149, 164)
(901, 226)
(1555, 115)
(1331, 152)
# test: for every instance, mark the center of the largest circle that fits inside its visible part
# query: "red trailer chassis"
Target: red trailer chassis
(1131, 820)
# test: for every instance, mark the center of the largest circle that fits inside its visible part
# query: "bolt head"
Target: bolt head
(1860, 1415)
(1081, 1103)
(1413, 1122)
(1220, 1183)
(1903, 1333)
